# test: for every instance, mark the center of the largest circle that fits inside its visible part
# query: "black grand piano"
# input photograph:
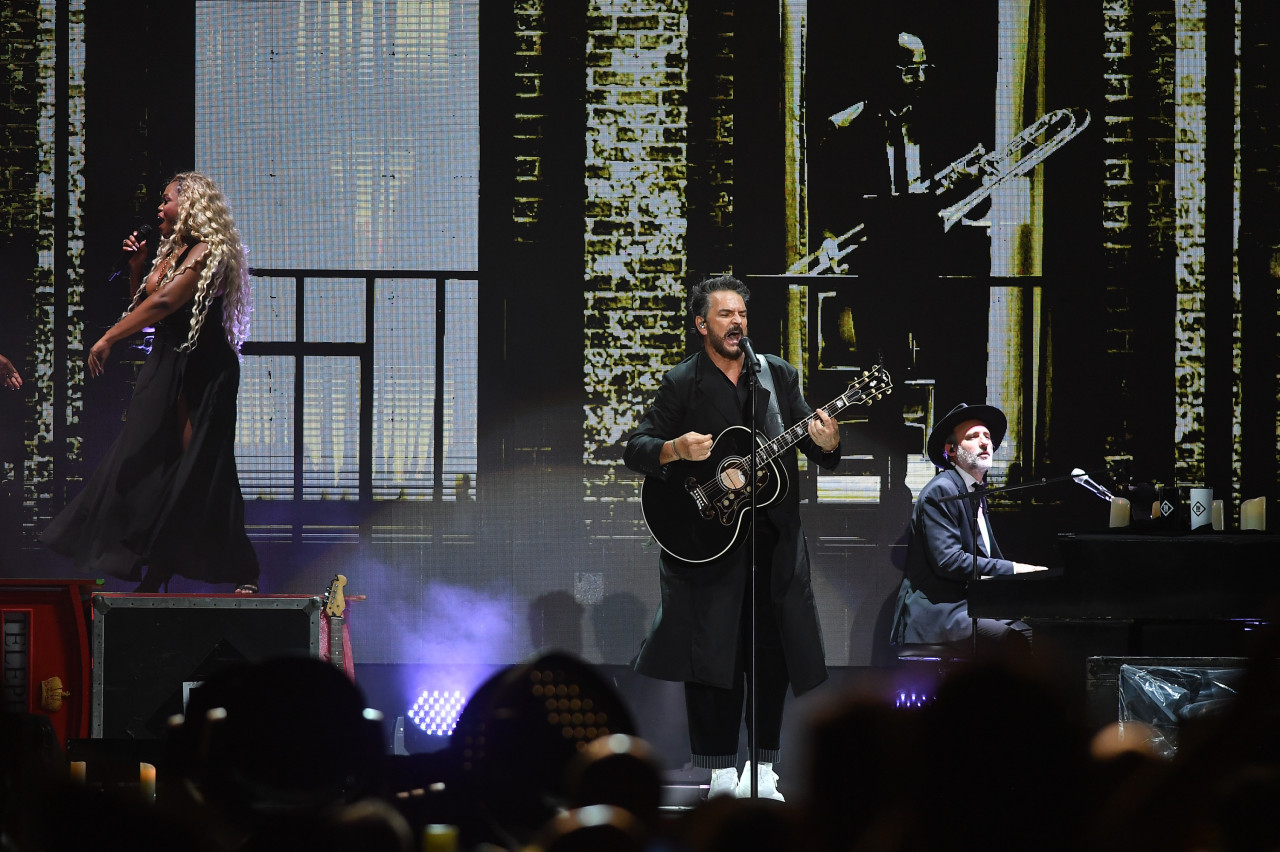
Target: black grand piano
(1121, 596)
(1191, 577)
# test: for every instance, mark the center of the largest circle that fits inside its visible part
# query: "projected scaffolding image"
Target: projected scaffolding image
(1000, 202)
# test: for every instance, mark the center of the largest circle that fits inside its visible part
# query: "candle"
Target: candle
(1253, 514)
(147, 782)
(1218, 512)
(78, 771)
(1119, 512)
(440, 838)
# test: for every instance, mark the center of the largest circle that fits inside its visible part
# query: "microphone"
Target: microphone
(143, 233)
(751, 365)
(1083, 479)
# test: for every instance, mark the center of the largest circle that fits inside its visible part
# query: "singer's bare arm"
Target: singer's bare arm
(164, 301)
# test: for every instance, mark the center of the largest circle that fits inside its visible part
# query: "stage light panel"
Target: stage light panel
(436, 711)
(911, 700)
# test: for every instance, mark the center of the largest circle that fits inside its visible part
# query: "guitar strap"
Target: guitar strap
(773, 417)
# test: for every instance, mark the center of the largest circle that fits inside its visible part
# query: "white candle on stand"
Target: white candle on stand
(1253, 514)
(147, 782)
(440, 838)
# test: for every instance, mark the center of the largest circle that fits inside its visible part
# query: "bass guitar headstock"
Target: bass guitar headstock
(334, 604)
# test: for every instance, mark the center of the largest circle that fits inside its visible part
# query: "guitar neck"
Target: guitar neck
(335, 641)
(775, 446)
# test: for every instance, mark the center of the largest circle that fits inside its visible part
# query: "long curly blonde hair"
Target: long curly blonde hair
(203, 216)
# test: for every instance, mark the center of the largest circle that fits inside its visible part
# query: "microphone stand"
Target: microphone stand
(752, 366)
(974, 496)
(975, 506)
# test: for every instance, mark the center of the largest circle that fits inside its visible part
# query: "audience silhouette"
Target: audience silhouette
(285, 754)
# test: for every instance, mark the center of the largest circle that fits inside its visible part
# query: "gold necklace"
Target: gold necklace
(162, 269)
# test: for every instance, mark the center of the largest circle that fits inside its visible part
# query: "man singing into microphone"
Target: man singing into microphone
(700, 631)
(933, 605)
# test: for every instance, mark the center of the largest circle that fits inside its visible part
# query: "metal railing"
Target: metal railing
(299, 349)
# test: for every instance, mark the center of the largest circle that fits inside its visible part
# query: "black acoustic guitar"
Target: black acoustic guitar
(696, 513)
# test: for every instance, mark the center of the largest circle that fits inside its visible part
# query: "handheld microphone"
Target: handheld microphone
(1083, 479)
(142, 234)
(751, 364)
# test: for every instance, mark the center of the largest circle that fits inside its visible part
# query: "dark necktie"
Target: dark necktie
(984, 546)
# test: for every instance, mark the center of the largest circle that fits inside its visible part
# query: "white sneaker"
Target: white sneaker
(767, 782)
(724, 782)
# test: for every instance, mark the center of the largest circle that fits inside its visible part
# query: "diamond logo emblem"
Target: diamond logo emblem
(1166, 508)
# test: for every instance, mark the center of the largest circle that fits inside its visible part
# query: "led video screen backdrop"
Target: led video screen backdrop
(473, 230)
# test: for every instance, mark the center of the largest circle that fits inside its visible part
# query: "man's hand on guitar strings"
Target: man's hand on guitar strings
(825, 431)
(692, 446)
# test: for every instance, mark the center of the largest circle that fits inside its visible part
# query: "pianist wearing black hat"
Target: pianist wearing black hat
(932, 605)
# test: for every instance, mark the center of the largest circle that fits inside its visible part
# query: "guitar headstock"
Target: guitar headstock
(334, 604)
(870, 386)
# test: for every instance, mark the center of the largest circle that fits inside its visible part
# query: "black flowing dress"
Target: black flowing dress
(152, 503)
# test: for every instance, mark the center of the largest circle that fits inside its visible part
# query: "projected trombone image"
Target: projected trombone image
(989, 170)
(887, 179)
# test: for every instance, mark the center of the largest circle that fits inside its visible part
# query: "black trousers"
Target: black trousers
(1000, 634)
(716, 714)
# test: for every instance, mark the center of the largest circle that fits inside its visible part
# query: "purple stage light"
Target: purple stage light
(911, 700)
(436, 711)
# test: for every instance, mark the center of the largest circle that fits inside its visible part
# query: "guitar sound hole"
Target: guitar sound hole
(732, 479)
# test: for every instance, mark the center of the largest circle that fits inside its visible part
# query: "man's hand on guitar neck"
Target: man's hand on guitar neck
(691, 446)
(824, 431)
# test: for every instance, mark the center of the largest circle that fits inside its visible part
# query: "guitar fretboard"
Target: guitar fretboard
(867, 389)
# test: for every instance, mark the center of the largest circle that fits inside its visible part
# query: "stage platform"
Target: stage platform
(146, 652)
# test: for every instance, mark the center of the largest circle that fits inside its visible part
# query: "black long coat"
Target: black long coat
(695, 631)
(933, 600)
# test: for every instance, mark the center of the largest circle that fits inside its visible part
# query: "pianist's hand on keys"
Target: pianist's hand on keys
(1019, 568)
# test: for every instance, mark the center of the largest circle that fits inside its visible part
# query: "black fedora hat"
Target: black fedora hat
(990, 415)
